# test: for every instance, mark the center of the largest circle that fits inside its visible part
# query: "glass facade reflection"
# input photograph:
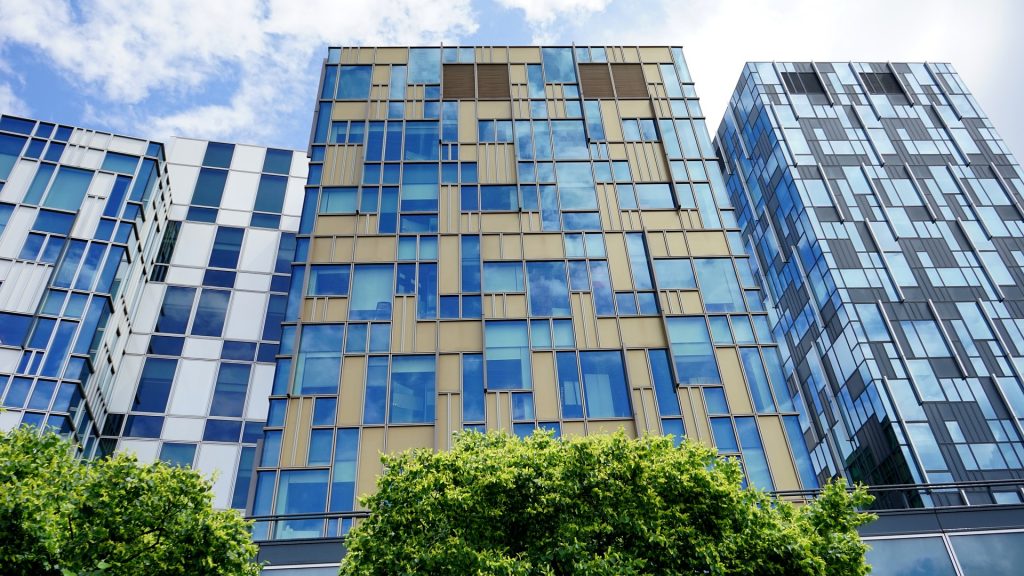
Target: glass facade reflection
(885, 219)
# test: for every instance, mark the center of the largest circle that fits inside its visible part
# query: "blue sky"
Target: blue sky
(246, 70)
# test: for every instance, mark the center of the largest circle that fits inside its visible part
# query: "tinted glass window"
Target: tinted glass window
(354, 83)
(209, 187)
(176, 309)
(155, 385)
(68, 188)
(692, 352)
(229, 393)
(507, 355)
(318, 365)
(412, 390)
(909, 557)
(604, 384)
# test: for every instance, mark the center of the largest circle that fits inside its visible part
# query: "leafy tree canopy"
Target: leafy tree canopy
(597, 505)
(67, 517)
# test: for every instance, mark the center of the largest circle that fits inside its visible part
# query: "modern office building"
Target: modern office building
(135, 315)
(885, 219)
(509, 239)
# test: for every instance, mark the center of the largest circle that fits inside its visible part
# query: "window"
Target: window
(424, 66)
(507, 355)
(328, 280)
(318, 364)
(803, 83)
(419, 187)
(548, 290)
(925, 339)
(343, 476)
(210, 312)
(277, 161)
(338, 200)
(372, 288)
(301, 492)
(915, 557)
(604, 384)
(503, 277)
(558, 65)
(218, 154)
(497, 198)
(569, 140)
(664, 386)
(412, 390)
(639, 130)
(176, 310)
(230, 390)
(721, 291)
(122, 163)
(270, 194)
(472, 388)
(68, 188)
(10, 149)
(422, 141)
(652, 196)
(226, 247)
(155, 385)
(354, 82)
(209, 187)
(569, 385)
(494, 131)
(177, 454)
(692, 352)
(674, 274)
(375, 400)
(881, 83)
(576, 186)
(757, 380)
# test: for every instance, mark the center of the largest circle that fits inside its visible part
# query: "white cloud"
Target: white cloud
(130, 50)
(10, 103)
(542, 15)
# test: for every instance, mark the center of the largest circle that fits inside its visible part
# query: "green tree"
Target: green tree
(63, 516)
(599, 505)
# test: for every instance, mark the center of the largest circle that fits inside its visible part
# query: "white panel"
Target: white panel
(78, 135)
(24, 286)
(193, 385)
(183, 182)
(9, 359)
(177, 212)
(9, 420)
(185, 276)
(183, 429)
(88, 216)
(254, 282)
(91, 159)
(186, 151)
(293, 196)
(18, 181)
(99, 140)
(127, 145)
(16, 231)
(101, 185)
(259, 250)
(240, 190)
(137, 344)
(234, 218)
(123, 391)
(203, 348)
(245, 316)
(149, 307)
(289, 223)
(300, 165)
(146, 450)
(249, 158)
(219, 460)
(195, 242)
(259, 390)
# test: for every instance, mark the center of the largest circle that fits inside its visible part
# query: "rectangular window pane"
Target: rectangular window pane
(68, 188)
(604, 384)
(503, 277)
(692, 352)
(507, 355)
(412, 390)
(722, 289)
(229, 393)
(664, 386)
(372, 289)
(328, 280)
(210, 312)
(318, 365)
(343, 476)
(354, 83)
(154, 385)
(548, 289)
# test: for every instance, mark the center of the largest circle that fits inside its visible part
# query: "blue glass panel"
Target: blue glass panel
(324, 411)
(39, 182)
(548, 290)
(569, 385)
(10, 149)
(470, 263)
(503, 277)
(137, 426)
(230, 390)
(499, 198)
(757, 380)
(218, 155)
(569, 139)
(692, 352)
(715, 400)
(226, 247)
(808, 479)
(426, 292)
(176, 310)
(318, 363)
(122, 163)
(328, 280)
(209, 187)
(41, 395)
(210, 312)
(302, 492)
(412, 390)
(155, 385)
(507, 355)
(753, 454)
(720, 276)
(579, 221)
(243, 477)
(320, 443)
(922, 557)
(177, 454)
(372, 289)
(604, 384)
(664, 386)
(773, 364)
(421, 141)
(419, 186)
(375, 402)
(354, 82)
(725, 438)
(68, 188)
(270, 193)
(675, 428)
(602, 288)
(675, 273)
(277, 161)
(343, 476)
(576, 186)
(424, 66)
(558, 65)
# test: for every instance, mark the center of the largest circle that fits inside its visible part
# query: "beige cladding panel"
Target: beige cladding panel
(381, 75)
(512, 247)
(545, 386)
(515, 306)
(635, 109)
(702, 425)
(618, 262)
(337, 310)
(676, 242)
(777, 449)
(426, 336)
(392, 55)
(467, 122)
(573, 429)
(707, 243)
(636, 369)
(448, 265)
(449, 370)
(461, 336)
(652, 73)
(732, 376)
(402, 438)
(643, 332)
(328, 225)
(525, 55)
(375, 249)
(611, 426)
(496, 163)
(353, 384)
(349, 111)
(295, 441)
(517, 74)
(656, 54)
(608, 333)
(656, 245)
(691, 302)
(661, 219)
(371, 442)
(499, 222)
(543, 246)
(322, 250)
(494, 109)
(612, 123)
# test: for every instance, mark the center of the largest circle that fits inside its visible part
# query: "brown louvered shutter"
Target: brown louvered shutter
(596, 81)
(458, 82)
(492, 82)
(629, 81)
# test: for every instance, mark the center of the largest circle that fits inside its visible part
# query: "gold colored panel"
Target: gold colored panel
(526, 55)
(545, 386)
(353, 385)
(499, 222)
(618, 262)
(780, 461)
(494, 109)
(643, 332)
(543, 246)
(656, 245)
(322, 250)
(511, 247)
(611, 120)
(375, 249)
(496, 163)
(399, 324)
(499, 55)
(608, 333)
(337, 310)
(343, 165)
(652, 73)
(635, 109)
(640, 414)
(309, 310)
(707, 243)
(656, 54)
(687, 411)
(660, 220)
(295, 441)
(364, 56)
(608, 207)
(701, 423)
(732, 376)
(676, 242)
(589, 319)
(611, 426)
(371, 442)
(573, 429)
(448, 265)
(617, 150)
(515, 306)
(651, 421)
(291, 426)
(392, 55)
(691, 302)
(349, 110)
(449, 419)
(517, 73)
(449, 370)
(637, 370)
(426, 337)
(461, 336)
(381, 75)
(490, 247)
(402, 438)
(491, 411)
(467, 121)
(349, 55)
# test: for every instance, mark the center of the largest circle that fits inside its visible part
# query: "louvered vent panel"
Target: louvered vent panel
(596, 81)
(492, 82)
(458, 82)
(629, 81)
